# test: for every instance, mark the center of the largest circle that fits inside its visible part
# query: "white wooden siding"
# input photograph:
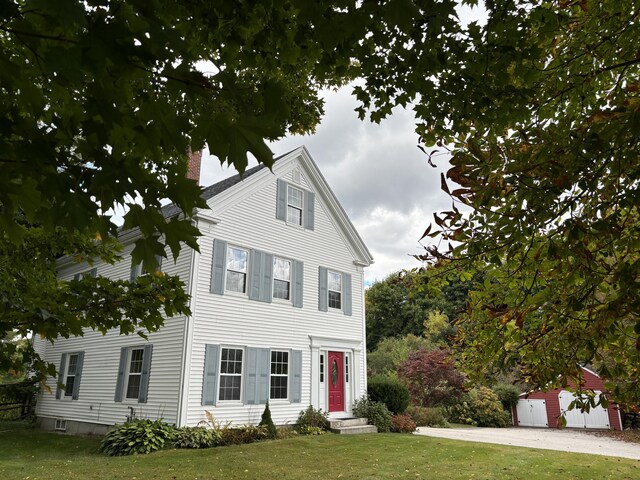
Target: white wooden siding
(235, 320)
(102, 354)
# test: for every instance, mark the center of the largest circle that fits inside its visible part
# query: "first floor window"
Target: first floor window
(230, 373)
(237, 269)
(295, 199)
(72, 371)
(134, 375)
(335, 289)
(346, 368)
(321, 368)
(279, 375)
(281, 278)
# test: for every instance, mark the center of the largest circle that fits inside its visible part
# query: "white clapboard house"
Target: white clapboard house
(277, 303)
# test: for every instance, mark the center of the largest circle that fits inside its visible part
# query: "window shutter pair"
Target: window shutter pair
(144, 379)
(136, 270)
(93, 273)
(323, 291)
(260, 275)
(256, 376)
(281, 205)
(62, 377)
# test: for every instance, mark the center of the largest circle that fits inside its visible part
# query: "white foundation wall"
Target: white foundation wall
(234, 320)
(95, 403)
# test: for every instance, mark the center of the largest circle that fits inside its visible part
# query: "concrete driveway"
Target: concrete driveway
(565, 440)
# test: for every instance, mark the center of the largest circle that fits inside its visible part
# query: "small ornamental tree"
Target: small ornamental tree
(432, 378)
(267, 422)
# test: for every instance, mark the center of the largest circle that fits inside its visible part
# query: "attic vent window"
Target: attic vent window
(60, 425)
(296, 176)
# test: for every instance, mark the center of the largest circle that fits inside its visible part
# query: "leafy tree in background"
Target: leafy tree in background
(432, 378)
(391, 352)
(550, 166)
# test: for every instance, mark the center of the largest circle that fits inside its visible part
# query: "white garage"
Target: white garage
(596, 417)
(532, 413)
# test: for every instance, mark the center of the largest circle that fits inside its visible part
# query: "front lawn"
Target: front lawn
(33, 454)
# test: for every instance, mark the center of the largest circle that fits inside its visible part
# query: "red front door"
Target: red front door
(336, 382)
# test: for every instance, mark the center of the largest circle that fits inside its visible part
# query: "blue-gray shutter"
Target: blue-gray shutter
(76, 384)
(146, 371)
(260, 276)
(309, 209)
(93, 272)
(346, 293)
(63, 365)
(322, 289)
(264, 371)
(296, 376)
(255, 266)
(297, 284)
(210, 381)
(281, 200)
(218, 266)
(266, 278)
(121, 371)
(76, 276)
(159, 262)
(251, 377)
(135, 271)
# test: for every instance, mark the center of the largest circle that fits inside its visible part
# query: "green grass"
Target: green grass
(33, 454)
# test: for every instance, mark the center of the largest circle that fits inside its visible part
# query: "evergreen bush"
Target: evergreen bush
(389, 391)
(508, 395)
(267, 423)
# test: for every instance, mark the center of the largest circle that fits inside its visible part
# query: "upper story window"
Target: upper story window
(230, 374)
(237, 269)
(334, 287)
(294, 205)
(295, 202)
(281, 278)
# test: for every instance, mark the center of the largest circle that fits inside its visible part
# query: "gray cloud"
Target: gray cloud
(381, 178)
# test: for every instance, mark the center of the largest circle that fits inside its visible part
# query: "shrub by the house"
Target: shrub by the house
(402, 424)
(389, 391)
(427, 416)
(196, 437)
(376, 413)
(267, 422)
(312, 418)
(481, 407)
(139, 436)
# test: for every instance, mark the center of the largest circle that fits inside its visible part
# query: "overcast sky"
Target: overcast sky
(380, 177)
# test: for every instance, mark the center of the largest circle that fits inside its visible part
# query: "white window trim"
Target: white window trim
(329, 272)
(288, 376)
(301, 208)
(127, 374)
(241, 375)
(246, 272)
(273, 286)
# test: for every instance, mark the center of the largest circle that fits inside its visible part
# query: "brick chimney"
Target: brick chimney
(193, 167)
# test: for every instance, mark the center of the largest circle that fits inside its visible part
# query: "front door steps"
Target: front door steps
(351, 426)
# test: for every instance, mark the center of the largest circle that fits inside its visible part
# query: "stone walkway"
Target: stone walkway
(565, 440)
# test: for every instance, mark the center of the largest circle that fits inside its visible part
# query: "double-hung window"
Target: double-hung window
(134, 373)
(72, 371)
(281, 278)
(334, 287)
(69, 374)
(295, 201)
(237, 270)
(279, 381)
(230, 374)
